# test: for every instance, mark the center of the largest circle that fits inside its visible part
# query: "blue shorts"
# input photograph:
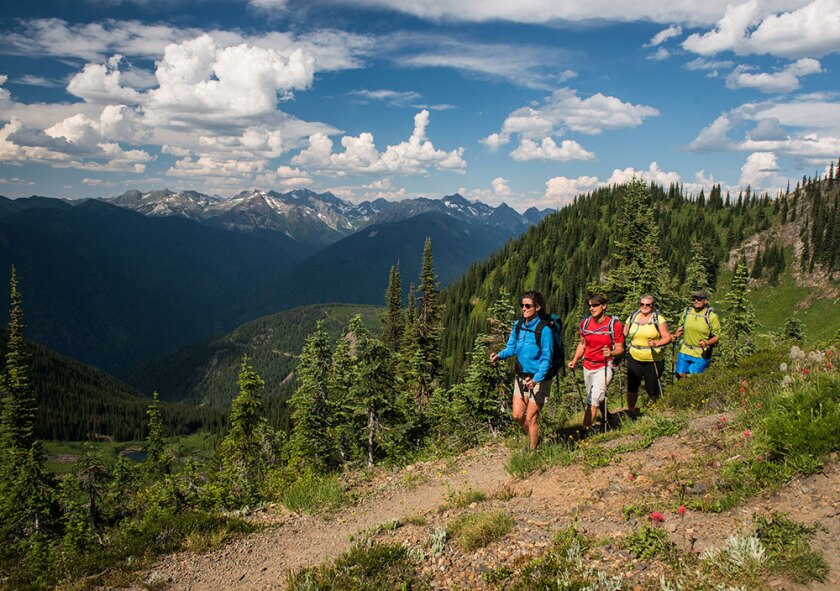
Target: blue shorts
(689, 364)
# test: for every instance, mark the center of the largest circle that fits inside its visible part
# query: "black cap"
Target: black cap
(699, 294)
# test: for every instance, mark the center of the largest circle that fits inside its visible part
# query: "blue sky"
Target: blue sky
(525, 102)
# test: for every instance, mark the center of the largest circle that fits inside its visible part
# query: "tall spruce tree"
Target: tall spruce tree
(394, 320)
(17, 421)
(696, 274)
(740, 322)
(425, 358)
(249, 447)
(311, 445)
(155, 458)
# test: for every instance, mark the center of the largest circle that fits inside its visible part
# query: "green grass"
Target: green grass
(524, 463)
(363, 568)
(458, 499)
(476, 530)
(313, 495)
(788, 549)
(651, 542)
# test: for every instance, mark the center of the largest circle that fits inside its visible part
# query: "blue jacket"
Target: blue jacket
(533, 360)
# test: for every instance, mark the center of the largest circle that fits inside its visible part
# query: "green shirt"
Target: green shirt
(696, 329)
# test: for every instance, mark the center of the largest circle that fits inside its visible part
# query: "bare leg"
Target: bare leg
(531, 425)
(589, 416)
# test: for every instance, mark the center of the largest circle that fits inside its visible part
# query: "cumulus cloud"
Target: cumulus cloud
(662, 36)
(562, 190)
(659, 55)
(565, 111)
(806, 127)
(100, 83)
(547, 149)
(785, 80)
(501, 187)
(652, 174)
(748, 29)
(761, 170)
(411, 157)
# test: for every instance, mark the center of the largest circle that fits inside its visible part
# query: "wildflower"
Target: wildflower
(743, 390)
(722, 419)
(747, 433)
(806, 371)
(828, 365)
(656, 517)
(631, 477)
(744, 383)
(681, 510)
(759, 458)
(757, 405)
(783, 367)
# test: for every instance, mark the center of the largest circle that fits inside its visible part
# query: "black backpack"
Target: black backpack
(558, 358)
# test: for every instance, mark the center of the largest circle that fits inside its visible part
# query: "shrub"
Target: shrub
(464, 498)
(313, 494)
(476, 530)
(788, 549)
(363, 568)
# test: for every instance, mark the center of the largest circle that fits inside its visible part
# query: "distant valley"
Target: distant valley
(118, 282)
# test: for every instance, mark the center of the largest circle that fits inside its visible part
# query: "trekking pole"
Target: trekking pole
(656, 371)
(606, 387)
(673, 361)
(577, 387)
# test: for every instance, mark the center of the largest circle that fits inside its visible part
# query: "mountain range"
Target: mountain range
(316, 219)
(118, 282)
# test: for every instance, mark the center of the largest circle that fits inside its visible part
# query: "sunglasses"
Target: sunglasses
(643, 305)
(527, 306)
(697, 299)
(595, 305)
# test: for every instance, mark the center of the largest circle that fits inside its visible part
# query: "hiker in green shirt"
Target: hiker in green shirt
(700, 330)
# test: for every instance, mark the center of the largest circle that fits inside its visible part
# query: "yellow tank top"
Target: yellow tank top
(639, 335)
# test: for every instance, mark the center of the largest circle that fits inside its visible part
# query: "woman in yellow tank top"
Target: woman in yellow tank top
(648, 334)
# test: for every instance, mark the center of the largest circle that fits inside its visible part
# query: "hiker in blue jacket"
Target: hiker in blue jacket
(533, 362)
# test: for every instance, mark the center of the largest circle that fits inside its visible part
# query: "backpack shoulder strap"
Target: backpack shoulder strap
(611, 329)
(685, 314)
(517, 327)
(709, 310)
(584, 324)
(538, 331)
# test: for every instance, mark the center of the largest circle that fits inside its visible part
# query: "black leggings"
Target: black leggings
(644, 370)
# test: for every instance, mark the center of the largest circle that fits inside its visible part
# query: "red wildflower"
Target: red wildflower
(681, 510)
(631, 477)
(759, 458)
(744, 383)
(743, 390)
(828, 365)
(656, 517)
(806, 371)
(758, 405)
(722, 419)
(747, 433)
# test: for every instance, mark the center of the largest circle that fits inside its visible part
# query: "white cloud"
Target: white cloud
(547, 149)
(97, 182)
(414, 156)
(665, 34)
(270, 5)
(562, 190)
(205, 166)
(100, 83)
(548, 11)
(652, 174)
(785, 80)
(495, 140)
(501, 187)
(564, 110)
(761, 171)
(659, 55)
(523, 65)
(800, 29)
(805, 127)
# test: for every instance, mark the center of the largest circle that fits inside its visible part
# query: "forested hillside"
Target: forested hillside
(205, 373)
(76, 402)
(573, 251)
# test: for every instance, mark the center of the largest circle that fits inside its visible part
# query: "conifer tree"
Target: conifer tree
(311, 445)
(92, 476)
(344, 428)
(155, 458)
(696, 275)
(425, 359)
(394, 321)
(740, 321)
(17, 421)
(249, 447)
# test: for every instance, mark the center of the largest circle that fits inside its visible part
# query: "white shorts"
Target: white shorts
(538, 394)
(596, 384)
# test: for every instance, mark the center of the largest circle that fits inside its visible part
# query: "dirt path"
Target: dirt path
(594, 500)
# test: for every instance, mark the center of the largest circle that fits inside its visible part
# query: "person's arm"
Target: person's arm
(665, 337)
(578, 354)
(715, 338)
(510, 348)
(618, 341)
(546, 353)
